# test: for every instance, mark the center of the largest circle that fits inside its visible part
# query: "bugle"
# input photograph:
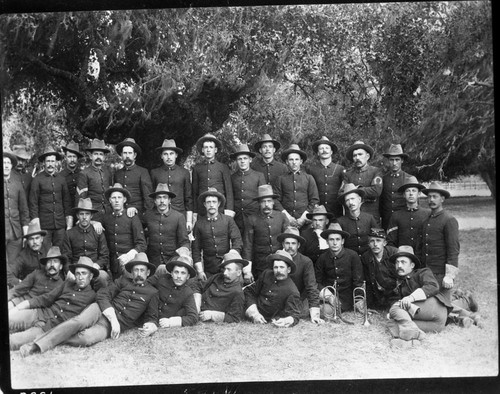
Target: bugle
(359, 296)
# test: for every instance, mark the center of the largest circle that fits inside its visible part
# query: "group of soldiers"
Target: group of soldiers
(93, 252)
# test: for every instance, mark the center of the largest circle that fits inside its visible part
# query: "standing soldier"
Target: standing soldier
(245, 183)
(296, 190)
(328, 175)
(211, 174)
(16, 213)
(72, 169)
(367, 177)
(178, 180)
(440, 244)
(260, 238)
(49, 201)
(314, 244)
(94, 180)
(125, 235)
(21, 171)
(266, 164)
(405, 226)
(391, 199)
(134, 178)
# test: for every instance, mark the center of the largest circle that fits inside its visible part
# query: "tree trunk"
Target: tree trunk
(489, 176)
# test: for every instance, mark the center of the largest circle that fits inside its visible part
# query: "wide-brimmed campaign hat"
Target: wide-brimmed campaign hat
(34, 229)
(334, 228)
(395, 150)
(266, 138)
(97, 144)
(11, 156)
(169, 145)
(242, 149)
(294, 148)
(183, 261)
(377, 233)
(350, 188)
(291, 232)
(54, 253)
(282, 256)
(162, 188)
(49, 151)
(20, 152)
(233, 257)
(73, 147)
(117, 187)
(436, 187)
(85, 262)
(140, 259)
(326, 141)
(405, 251)
(410, 181)
(319, 210)
(208, 137)
(84, 204)
(265, 191)
(358, 145)
(212, 191)
(128, 142)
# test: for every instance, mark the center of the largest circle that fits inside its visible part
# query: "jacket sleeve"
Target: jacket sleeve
(375, 189)
(392, 232)
(146, 189)
(279, 192)
(311, 285)
(196, 245)
(33, 198)
(228, 188)
(102, 252)
(452, 241)
(66, 196)
(24, 213)
(312, 193)
(234, 312)
(23, 287)
(47, 299)
(357, 271)
(248, 234)
(106, 294)
(138, 231)
(195, 187)
(151, 312)
(188, 196)
(235, 235)
(191, 314)
(182, 235)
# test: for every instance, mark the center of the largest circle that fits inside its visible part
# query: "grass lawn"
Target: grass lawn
(250, 353)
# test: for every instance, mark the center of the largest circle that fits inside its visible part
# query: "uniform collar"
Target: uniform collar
(117, 215)
(172, 168)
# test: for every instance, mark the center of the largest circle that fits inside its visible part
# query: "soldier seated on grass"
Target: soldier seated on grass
(125, 304)
(274, 296)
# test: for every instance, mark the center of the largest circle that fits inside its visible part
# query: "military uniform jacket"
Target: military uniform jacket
(26, 262)
(35, 284)
(370, 180)
(222, 297)
(79, 242)
(311, 247)
(405, 227)
(213, 238)
(71, 180)
(328, 180)
(178, 180)
(440, 243)
(274, 298)
(297, 193)
(345, 268)
(92, 183)
(358, 228)
(271, 171)
(175, 300)
(212, 174)
(134, 304)
(245, 188)
(305, 280)
(137, 181)
(25, 178)
(391, 200)
(62, 303)
(260, 237)
(16, 213)
(165, 233)
(50, 200)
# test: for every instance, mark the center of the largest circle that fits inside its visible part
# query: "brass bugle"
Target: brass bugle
(359, 294)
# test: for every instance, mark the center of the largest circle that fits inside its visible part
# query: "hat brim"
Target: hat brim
(199, 143)
(79, 154)
(419, 186)
(175, 149)
(258, 144)
(443, 192)
(266, 196)
(105, 150)
(22, 156)
(352, 148)
(41, 232)
(303, 155)
(315, 145)
(324, 234)
(220, 196)
(289, 262)
(402, 155)
(170, 194)
(412, 257)
(329, 215)
(133, 263)
(359, 192)
(233, 156)
(44, 155)
(121, 145)
(173, 262)
(281, 237)
(12, 158)
(243, 262)
(110, 191)
(73, 267)
(76, 210)
(63, 259)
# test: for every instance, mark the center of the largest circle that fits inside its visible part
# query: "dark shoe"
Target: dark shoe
(478, 321)
(465, 322)
(408, 334)
(28, 349)
(473, 306)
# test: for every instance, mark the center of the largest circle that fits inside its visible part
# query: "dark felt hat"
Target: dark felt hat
(377, 233)
(212, 191)
(319, 210)
(334, 228)
(326, 141)
(73, 147)
(97, 144)
(395, 150)
(183, 261)
(266, 138)
(410, 181)
(49, 151)
(54, 253)
(436, 187)
(405, 251)
(208, 137)
(85, 262)
(233, 257)
(117, 187)
(348, 189)
(291, 232)
(11, 156)
(34, 229)
(358, 145)
(242, 150)
(294, 148)
(140, 259)
(162, 188)
(283, 256)
(84, 204)
(265, 191)
(128, 142)
(169, 145)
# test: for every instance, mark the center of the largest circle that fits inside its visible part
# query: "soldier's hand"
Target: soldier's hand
(165, 322)
(202, 276)
(205, 316)
(284, 322)
(115, 328)
(248, 278)
(147, 329)
(70, 276)
(447, 282)
(97, 227)
(189, 227)
(259, 319)
(406, 302)
(131, 212)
